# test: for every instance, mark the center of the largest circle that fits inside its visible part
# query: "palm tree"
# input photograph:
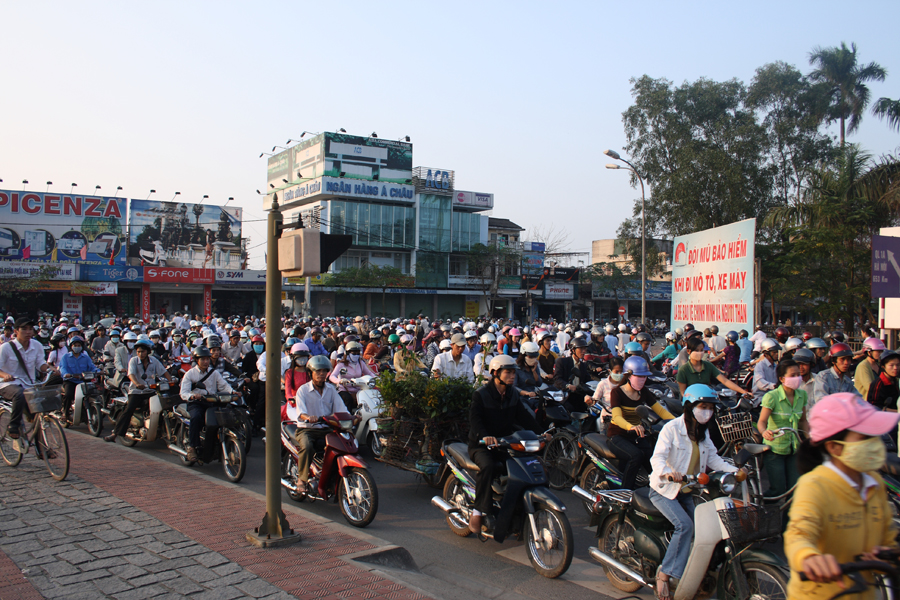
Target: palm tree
(837, 69)
(889, 110)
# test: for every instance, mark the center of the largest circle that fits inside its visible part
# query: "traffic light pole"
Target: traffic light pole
(274, 530)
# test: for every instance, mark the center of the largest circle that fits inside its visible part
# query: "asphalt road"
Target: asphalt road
(407, 518)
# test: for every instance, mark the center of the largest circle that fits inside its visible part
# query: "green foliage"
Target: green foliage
(416, 396)
(487, 264)
(617, 278)
(375, 276)
(889, 110)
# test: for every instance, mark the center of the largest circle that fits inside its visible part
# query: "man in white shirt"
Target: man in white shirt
(716, 342)
(233, 349)
(143, 371)
(200, 381)
(315, 399)
(14, 379)
(562, 339)
(454, 364)
(757, 338)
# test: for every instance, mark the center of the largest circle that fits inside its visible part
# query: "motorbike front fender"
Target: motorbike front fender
(347, 461)
(541, 495)
(153, 417)
(78, 404)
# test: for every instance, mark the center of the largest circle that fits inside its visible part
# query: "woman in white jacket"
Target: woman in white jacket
(683, 448)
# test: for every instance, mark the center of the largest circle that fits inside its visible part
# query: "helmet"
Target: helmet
(793, 343)
(743, 333)
(679, 331)
(805, 355)
(633, 347)
(471, 333)
(840, 350)
(405, 339)
(72, 330)
(374, 335)
(353, 346)
(514, 332)
(637, 365)
(688, 327)
(236, 334)
(129, 336)
(529, 349)
(580, 334)
(351, 329)
(688, 334)
(201, 352)
(502, 361)
(543, 336)
(782, 334)
(815, 343)
(213, 341)
(143, 344)
(643, 337)
(319, 363)
(258, 338)
(526, 330)
(580, 342)
(445, 344)
(731, 336)
(622, 327)
(870, 344)
(714, 329)
(610, 329)
(807, 336)
(585, 326)
(445, 328)
(561, 326)
(393, 339)
(77, 339)
(699, 392)
(769, 344)
(243, 334)
(154, 333)
(887, 356)
(488, 338)
(670, 336)
(253, 332)
(300, 349)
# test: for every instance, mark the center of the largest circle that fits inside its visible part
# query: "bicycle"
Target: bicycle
(887, 575)
(752, 452)
(43, 431)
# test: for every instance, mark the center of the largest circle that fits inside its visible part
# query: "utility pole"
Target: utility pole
(274, 530)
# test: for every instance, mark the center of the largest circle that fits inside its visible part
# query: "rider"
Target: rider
(765, 377)
(233, 349)
(884, 392)
(472, 346)
(805, 360)
(627, 436)
(785, 406)
(124, 354)
(20, 359)
(454, 364)
(200, 380)
(529, 376)
(546, 356)
(99, 341)
(611, 340)
(482, 361)
(840, 508)
(159, 349)
(837, 378)
(683, 448)
(669, 352)
(495, 411)
(73, 365)
(143, 369)
(569, 367)
(696, 370)
(347, 368)
(867, 370)
(405, 359)
(819, 347)
(315, 399)
(605, 387)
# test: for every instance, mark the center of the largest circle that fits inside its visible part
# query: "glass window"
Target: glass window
(337, 217)
(398, 225)
(410, 237)
(434, 223)
(363, 227)
(352, 220)
(387, 224)
(375, 225)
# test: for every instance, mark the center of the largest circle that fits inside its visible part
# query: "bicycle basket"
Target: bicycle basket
(751, 523)
(735, 427)
(41, 400)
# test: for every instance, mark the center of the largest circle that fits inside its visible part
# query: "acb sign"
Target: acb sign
(439, 180)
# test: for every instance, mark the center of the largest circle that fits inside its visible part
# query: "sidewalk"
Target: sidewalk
(127, 526)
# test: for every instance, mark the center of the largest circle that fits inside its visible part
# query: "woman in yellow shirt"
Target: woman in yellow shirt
(840, 508)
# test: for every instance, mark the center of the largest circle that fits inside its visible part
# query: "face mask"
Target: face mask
(703, 415)
(354, 358)
(637, 382)
(76, 349)
(793, 383)
(129, 345)
(258, 348)
(696, 356)
(530, 361)
(617, 377)
(865, 455)
(301, 361)
(410, 347)
(115, 340)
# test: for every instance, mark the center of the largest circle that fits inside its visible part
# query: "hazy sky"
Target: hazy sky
(519, 98)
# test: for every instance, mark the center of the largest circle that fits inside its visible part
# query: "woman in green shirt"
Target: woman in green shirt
(785, 406)
(697, 370)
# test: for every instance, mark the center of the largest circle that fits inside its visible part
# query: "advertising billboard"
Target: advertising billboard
(180, 234)
(654, 290)
(559, 291)
(101, 273)
(473, 200)
(532, 263)
(11, 269)
(240, 277)
(712, 277)
(60, 228)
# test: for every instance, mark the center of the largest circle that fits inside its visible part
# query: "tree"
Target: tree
(846, 80)
(486, 265)
(374, 276)
(554, 240)
(889, 110)
(615, 277)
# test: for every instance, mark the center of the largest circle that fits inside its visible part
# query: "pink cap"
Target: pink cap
(514, 332)
(837, 412)
(873, 344)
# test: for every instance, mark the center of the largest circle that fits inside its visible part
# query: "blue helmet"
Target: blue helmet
(699, 392)
(637, 365)
(731, 336)
(633, 347)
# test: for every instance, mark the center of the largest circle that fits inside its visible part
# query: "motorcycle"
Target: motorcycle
(145, 425)
(336, 472)
(523, 505)
(368, 408)
(633, 537)
(155, 258)
(89, 402)
(222, 436)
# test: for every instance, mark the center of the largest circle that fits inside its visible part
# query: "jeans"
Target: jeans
(197, 410)
(632, 452)
(680, 512)
(782, 472)
(16, 395)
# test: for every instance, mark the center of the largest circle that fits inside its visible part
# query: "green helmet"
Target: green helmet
(319, 363)
(393, 339)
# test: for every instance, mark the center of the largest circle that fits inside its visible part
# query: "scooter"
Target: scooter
(336, 472)
(89, 402)
(523, 505)
(220, 439)
(145, 423)
(368, 408)
(633, 537)
(155, 258)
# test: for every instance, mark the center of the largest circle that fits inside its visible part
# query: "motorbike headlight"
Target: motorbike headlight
(726, 482)
(346, 424)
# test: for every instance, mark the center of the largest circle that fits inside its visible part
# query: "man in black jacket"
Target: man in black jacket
(496, 410)
(566, 369)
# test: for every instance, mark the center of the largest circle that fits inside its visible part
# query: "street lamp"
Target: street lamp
(615, 155)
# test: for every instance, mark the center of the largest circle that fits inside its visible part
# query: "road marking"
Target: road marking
(588, 575)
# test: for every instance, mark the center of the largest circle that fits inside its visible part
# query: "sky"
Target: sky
(519, 98)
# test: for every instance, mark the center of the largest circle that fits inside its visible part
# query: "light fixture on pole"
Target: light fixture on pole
(403, 138)
(374, 135)
(261, 154)
(148, 195)
(49, 183)
(205, 196)
(282, 147)
(176, 195)
(118, 189)
(342, 130)
(96, 189)
(74, 185)
(615, 155)
(230, 198)
(24, 183)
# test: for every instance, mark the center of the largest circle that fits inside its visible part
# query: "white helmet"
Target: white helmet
(610, 329)
(129, 336)
(406, 338)
(622, 327)
(579, 334)
(491, 329)
(503, 361)
(585, 326)
(560, 326)
(471, 333)
(529, 348)
(488, 338)
(670, 336)
(445, 343)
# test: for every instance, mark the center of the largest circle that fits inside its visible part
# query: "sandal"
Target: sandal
(662, 586)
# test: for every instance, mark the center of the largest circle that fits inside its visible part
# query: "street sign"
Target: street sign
(622, 311)
(885, 268)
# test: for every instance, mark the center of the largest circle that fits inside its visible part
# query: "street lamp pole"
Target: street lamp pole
(615, 155)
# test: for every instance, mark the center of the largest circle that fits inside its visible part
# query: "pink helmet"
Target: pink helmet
(837, 412)
(873, 344)
(514, 332)
(405, 338)
(299, 347)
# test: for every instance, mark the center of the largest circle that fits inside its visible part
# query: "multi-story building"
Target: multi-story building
(658, 287)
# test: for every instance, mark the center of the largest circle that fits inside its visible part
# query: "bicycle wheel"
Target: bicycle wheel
(11, 455)
(54, 447)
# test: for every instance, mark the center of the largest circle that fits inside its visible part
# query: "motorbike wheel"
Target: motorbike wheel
(592, 479)
(234, 460)
(127, 440)
(765, 581)
(247, 428)
(455, 494)
(184, 442)
(550, 555)
(289, 472)
(94, 420)
(364, 496)
(11, 456)
(374, 443)
(561, 446)
(612, 541)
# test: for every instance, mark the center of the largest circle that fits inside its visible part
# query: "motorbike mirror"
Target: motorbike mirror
(643, 411)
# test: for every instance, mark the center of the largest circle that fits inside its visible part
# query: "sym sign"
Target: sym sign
(242, 277)
(178, 275)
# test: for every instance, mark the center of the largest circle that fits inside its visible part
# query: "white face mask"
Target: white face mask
(354, 358)
(531, 361)
(129, 345)
(703, 415)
